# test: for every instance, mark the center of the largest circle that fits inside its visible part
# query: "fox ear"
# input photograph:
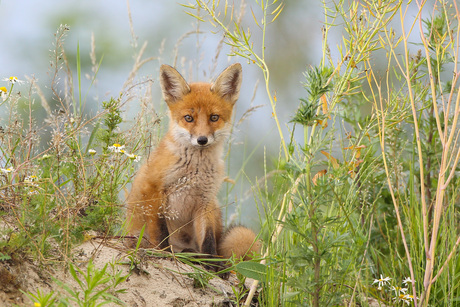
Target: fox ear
(228, 83)
(173, 85)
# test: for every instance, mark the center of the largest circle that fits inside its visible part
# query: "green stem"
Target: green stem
(245, 48)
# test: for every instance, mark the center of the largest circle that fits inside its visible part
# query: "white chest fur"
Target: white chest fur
(192, 184)
(192, 181)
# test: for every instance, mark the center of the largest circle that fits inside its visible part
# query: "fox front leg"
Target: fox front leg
(208, 230)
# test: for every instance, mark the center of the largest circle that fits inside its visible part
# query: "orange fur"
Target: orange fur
(175, 193)
(238, 241)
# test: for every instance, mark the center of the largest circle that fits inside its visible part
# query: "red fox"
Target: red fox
(175, 193)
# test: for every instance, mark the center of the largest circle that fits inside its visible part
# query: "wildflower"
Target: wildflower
(407, 280)
(3, 93)
(117, 148)
(30, 179)
(92, 152)
(381, 281)
(134, 157)
(44, 157)
(13, 80)
(407, 298)
(7, 170)
(399, 290)
(37, 304)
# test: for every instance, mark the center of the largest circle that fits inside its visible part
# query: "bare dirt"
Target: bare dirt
(158, 282)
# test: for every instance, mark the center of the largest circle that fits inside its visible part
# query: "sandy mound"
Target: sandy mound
(158, 282)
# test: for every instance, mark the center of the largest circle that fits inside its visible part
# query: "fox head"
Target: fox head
(200, 113)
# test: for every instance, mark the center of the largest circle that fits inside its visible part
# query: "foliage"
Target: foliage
(358, 204)
(61, 176)
(95, 287)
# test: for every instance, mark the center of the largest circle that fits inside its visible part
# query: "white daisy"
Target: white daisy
(134, 157)
(381, 281)
(399, 290)
(30, 179)
(407, 298)
(3, 93)
(7, 170)
(407, 280)
(117, 148)
(13, 80)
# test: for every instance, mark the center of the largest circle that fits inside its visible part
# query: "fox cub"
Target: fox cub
(175, 193)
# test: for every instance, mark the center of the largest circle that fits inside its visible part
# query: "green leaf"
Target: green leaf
(195, 16)
(139, 241)
(252, 270)
(4, 257)
(91, 137)
(74, 275)
(189, 6)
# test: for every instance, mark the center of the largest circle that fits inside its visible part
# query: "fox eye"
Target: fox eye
(188, 118)
(214, 118)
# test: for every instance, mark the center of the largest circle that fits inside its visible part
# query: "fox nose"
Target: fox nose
(202, 140)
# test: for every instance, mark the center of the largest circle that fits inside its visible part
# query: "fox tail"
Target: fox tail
(239, 241)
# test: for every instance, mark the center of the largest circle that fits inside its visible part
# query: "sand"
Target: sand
(157, 281)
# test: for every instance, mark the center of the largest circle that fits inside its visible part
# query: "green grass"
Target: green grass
(353, 204)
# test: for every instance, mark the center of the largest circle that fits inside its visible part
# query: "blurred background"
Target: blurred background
(173, 37)
(27, 37)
